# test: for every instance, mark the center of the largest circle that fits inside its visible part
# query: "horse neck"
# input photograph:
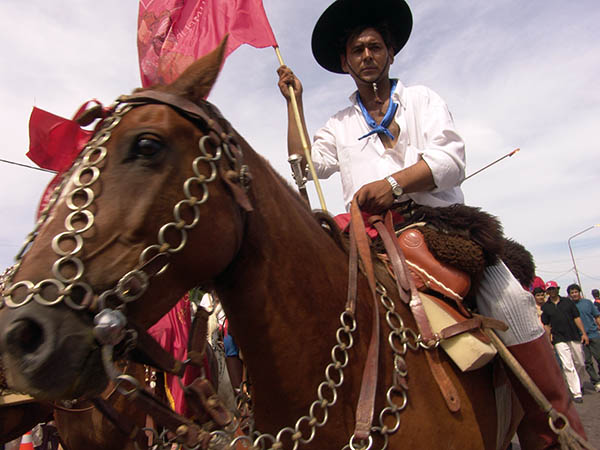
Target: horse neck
(285, 291)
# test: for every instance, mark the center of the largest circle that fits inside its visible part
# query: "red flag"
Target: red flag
(172, 332)
(54, 141)
(174, 33)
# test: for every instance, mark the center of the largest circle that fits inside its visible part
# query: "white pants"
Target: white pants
(502, 297)
(571, 358)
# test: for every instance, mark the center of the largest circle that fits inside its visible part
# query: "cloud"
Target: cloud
(514, 74)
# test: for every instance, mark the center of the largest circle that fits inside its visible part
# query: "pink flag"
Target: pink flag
(174, 33)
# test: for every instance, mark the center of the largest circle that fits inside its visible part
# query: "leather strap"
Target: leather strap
(182, 104)
(352, 275)
(394, 251)
(399, 265)
(196, 347)
(366, 401)
(475, 323)
(149, 352)
(120, 421)
(188, 432)
(202, 399)
(444, 382)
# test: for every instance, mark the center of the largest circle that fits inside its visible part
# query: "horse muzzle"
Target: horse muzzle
(50, 352)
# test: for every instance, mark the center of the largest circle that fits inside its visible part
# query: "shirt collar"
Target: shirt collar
(399, 95)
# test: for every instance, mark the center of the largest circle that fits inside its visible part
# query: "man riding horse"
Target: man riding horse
(396, 144)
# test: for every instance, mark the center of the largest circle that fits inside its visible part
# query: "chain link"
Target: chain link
(82, 175)
(305, 428)
(68, 244)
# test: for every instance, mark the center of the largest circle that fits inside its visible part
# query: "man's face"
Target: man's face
(575, 295)
(552, 292)
(540, 298)
(367, 57)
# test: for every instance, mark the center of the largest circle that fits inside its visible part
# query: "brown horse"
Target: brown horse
(240, 229)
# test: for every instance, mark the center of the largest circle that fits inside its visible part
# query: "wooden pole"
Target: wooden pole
(303, 138)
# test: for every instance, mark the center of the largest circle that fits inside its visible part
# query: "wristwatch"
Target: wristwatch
(397, 190)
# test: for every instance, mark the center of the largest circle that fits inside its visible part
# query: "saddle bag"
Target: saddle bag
(462, 338)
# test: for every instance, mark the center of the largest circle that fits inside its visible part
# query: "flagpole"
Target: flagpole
(303, 138)
(492, 163)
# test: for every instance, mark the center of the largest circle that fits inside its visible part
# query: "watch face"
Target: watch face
(398, 191)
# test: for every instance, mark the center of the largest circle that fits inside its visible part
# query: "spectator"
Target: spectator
(562, 321)
(540, 298)
(596, 297)
(590, 316)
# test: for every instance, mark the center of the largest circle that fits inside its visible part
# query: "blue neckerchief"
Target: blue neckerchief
(387, 119)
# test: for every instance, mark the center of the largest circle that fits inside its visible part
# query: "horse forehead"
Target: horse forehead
(157, 115)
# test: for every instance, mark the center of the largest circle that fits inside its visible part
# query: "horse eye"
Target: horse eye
(146, 147)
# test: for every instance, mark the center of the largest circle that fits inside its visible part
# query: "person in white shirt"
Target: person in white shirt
(395, 143)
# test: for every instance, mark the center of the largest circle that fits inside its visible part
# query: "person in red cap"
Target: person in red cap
(398, 144)
(561, 318)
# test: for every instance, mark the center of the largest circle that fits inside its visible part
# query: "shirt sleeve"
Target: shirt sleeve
(545, 319)
(324, 152)
(444, 149)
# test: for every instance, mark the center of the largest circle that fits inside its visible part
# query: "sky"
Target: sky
(515, 75)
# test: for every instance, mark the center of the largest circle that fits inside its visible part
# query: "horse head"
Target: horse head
(163, 169)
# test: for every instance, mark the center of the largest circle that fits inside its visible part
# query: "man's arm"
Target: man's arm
(287, 79)
(584, 337)
(377, 196)
(548, 332)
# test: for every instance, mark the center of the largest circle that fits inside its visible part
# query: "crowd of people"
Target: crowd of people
(572, 324)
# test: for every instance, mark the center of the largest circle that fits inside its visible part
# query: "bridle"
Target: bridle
(225, 161)
(154, 258)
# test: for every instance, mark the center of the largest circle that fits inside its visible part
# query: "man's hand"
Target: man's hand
(375, 197)
(287, 79)
(584, 339)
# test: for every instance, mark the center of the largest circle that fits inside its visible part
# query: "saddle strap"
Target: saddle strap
(474, 324)
(447, 388)
(366, 400)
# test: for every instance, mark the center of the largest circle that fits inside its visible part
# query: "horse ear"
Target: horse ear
(196, 82)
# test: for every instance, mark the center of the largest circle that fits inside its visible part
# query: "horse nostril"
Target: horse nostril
(24, 336)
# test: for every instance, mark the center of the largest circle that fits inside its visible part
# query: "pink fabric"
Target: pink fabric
(172, 332)
(174, 33)
(343, 221)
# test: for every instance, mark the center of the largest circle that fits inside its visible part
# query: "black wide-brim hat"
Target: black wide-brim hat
(343, 16)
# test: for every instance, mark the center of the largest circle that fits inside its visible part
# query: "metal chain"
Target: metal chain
(304, 430)
(400, 338)
(82, 175)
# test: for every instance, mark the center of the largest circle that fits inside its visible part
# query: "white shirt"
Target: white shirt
(426, 132)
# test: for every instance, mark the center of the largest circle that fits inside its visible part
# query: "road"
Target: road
(589, 411)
